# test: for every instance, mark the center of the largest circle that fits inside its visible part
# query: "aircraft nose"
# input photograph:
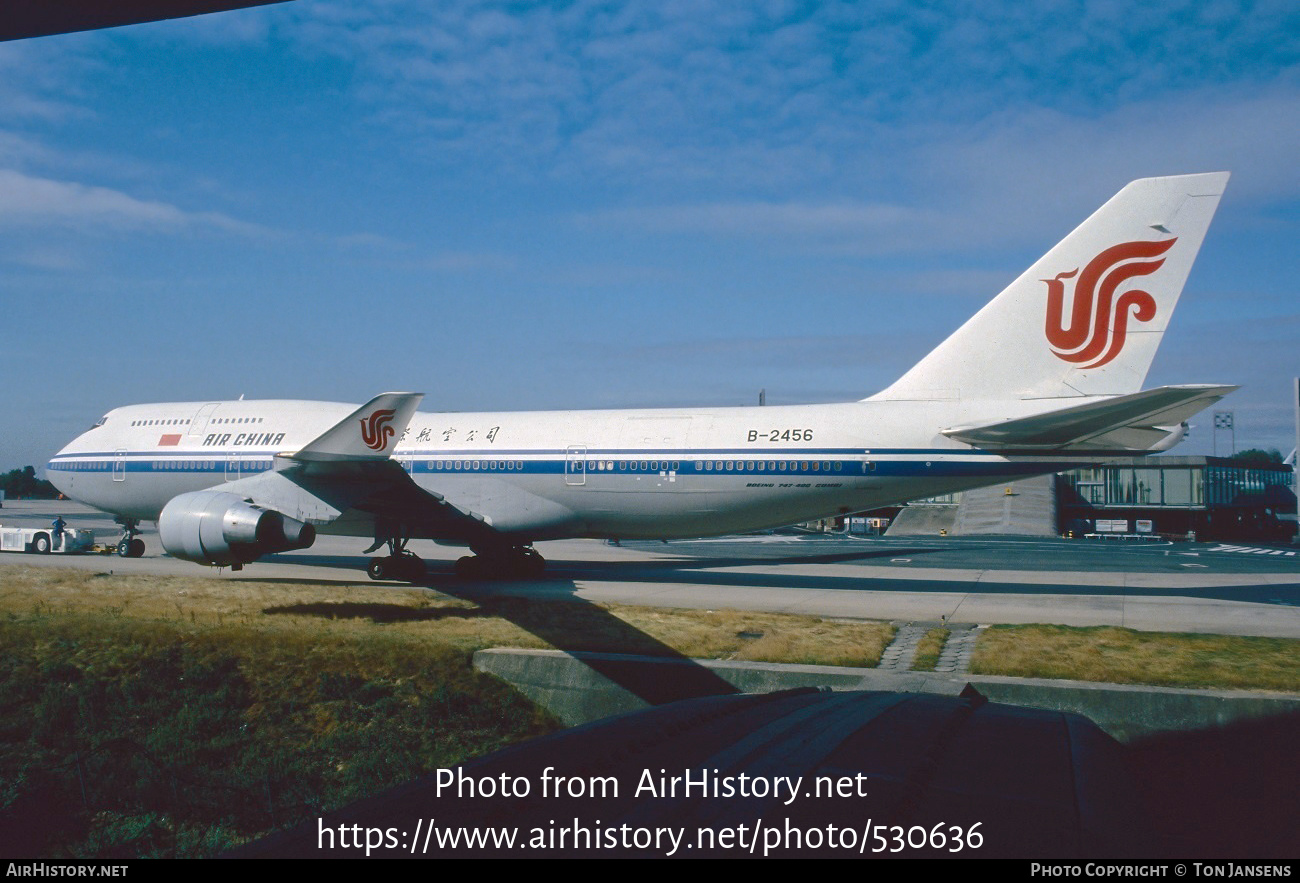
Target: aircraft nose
(55, 475)
(57, 470)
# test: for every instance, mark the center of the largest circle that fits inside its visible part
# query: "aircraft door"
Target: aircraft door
(232, 466)
(199, 422)
(119, 465)
(575, 465)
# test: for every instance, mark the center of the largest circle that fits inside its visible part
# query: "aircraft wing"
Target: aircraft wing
(1138, 422)
(367, 498)
(346, 481)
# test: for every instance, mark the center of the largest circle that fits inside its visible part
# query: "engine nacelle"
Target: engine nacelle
(1176, 434)
(214, 527)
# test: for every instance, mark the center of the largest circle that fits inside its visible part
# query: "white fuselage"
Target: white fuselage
(544, 475)
(1059, 386)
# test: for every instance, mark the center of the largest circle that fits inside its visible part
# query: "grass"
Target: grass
(1125, 656)
(929, 648)
(424, 615)
(127, 738)
(177, 716)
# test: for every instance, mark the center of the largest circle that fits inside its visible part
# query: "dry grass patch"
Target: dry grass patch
(1125, 656)
(419, 614)
(810, 641)
(175, 716)
(928, 650)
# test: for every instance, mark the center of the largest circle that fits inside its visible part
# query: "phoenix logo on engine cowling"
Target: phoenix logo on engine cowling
(375, 431)
(1091, 339)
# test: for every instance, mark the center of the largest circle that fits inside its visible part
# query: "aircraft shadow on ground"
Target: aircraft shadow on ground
(710, 571)
(579, 625)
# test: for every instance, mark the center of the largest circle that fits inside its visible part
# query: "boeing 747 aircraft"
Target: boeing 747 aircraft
(1046, 377)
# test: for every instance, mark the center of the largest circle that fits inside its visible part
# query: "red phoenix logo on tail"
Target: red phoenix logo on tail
(1089, 337)
(375, 431)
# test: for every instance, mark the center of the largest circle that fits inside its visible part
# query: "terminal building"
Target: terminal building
(1206, 498)
(1211, 497)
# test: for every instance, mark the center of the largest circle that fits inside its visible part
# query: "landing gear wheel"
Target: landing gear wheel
(399, 563)
(409, 567)
(41, 545)
(406, 567)
(521, 562)
(129, 546)
(531, 564)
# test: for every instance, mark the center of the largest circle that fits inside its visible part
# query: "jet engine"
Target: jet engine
(1176, 434)
(217, 528)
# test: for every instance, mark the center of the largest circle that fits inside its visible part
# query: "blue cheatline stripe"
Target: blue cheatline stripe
(854, 467)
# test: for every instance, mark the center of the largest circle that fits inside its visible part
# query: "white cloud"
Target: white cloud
(32, 201)
(1021, 179)
(40, 80)
(844, 124)
(1254, 133)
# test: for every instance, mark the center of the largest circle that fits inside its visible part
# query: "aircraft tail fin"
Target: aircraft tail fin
(1087, 317)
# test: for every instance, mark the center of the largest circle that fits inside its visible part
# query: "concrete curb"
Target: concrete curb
(582, 687)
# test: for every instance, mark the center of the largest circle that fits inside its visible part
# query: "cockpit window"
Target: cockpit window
(100, 422)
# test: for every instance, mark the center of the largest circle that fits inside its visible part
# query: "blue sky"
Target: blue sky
(515, 206)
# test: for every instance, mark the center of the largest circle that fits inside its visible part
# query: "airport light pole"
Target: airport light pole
(1223, 420)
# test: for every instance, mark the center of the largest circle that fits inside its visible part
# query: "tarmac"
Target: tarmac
(1220, 588)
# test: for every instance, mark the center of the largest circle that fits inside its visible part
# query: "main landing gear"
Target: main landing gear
(515, 562)
(130, 546)
(494, 562)
(400, 564)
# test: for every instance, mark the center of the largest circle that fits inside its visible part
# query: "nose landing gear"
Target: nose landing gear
(130, 546)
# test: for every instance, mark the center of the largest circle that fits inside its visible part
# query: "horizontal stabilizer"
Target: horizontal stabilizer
(1137, 422)
(368, 433)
